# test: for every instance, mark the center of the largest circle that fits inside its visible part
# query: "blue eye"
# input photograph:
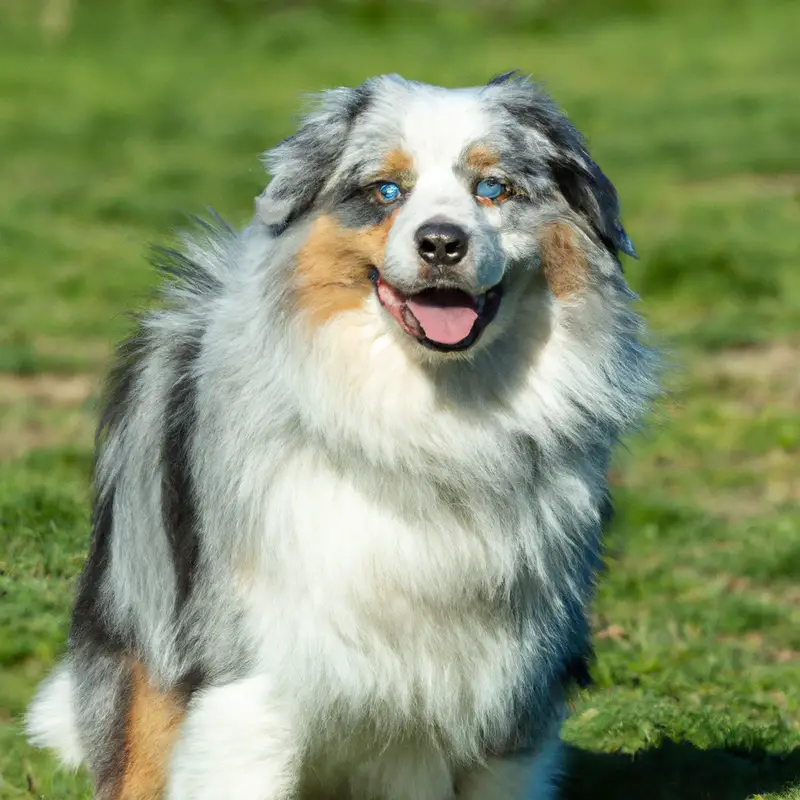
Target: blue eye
(490, 188)
(389, 192)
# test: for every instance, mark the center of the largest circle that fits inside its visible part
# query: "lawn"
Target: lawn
(113, 127)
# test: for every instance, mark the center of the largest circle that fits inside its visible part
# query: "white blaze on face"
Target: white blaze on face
(437, 127)
(438, 124)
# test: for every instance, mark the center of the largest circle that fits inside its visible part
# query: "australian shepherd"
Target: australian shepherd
(351, 473)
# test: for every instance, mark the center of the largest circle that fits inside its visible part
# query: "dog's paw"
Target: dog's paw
(234, 744)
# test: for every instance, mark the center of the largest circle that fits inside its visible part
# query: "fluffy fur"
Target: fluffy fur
(332, 557)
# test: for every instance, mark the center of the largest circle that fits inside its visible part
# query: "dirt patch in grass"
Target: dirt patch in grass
(768, 360)
(767, 373)
(777, 486)
(86, 354)
(47, 389)
(756, 380)
(44, 410)
(749, 184)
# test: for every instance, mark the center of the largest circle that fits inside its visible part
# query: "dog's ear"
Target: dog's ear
(589, 192)
(555, 140)
(301, 164)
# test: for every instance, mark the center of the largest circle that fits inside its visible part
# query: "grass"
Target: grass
(128, 118)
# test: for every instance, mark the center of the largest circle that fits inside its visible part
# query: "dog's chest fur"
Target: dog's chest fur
(409, 609)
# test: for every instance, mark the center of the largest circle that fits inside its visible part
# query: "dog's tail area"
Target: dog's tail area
(51, 721)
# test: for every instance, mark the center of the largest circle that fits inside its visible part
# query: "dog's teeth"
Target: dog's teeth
(480, 303)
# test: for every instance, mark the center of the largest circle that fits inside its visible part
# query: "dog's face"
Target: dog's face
(434, 208)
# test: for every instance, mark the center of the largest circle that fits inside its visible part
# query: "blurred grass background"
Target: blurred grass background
(116, 118)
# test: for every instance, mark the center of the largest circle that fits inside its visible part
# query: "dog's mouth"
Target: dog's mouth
(444, 319)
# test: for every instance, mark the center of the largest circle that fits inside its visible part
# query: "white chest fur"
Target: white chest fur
(389, 608)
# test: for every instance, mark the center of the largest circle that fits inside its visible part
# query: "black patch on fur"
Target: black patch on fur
(360, 211)
(89, 623)
(177, 266)
(178, 502)
(192, 681)
(591, 195)
(361, 97)
(606, 510)
(577, 669)
(119, 386)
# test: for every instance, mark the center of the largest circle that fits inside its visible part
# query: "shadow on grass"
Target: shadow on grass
(679, 771)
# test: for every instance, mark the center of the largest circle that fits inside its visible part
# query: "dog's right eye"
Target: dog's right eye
(491, 189)
(388, 193)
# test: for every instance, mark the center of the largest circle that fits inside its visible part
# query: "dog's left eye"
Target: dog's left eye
(490, 188)
(389, 192)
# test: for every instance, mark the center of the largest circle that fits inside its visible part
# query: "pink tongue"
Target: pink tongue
(446, 315)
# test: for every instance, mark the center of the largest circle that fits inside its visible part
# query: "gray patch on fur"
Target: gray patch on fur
(301, 163)
(579, 179)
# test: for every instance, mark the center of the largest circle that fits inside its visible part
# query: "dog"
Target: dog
(351, 473)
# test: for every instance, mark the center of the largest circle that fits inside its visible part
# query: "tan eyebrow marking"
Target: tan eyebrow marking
(397, 162)
(481, 158)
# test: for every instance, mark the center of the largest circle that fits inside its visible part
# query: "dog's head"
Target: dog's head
(438, 209)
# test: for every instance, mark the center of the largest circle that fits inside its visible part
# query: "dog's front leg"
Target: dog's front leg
(237, 742)
(532, 776)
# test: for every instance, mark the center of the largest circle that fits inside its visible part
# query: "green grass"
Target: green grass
(112, 130)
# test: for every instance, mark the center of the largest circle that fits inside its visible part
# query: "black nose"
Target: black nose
(442, 243)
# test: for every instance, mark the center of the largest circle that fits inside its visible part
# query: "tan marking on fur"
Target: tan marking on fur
(153, 721)
(332, 273)
(397, 162)
(481, 158)
(564, 262)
